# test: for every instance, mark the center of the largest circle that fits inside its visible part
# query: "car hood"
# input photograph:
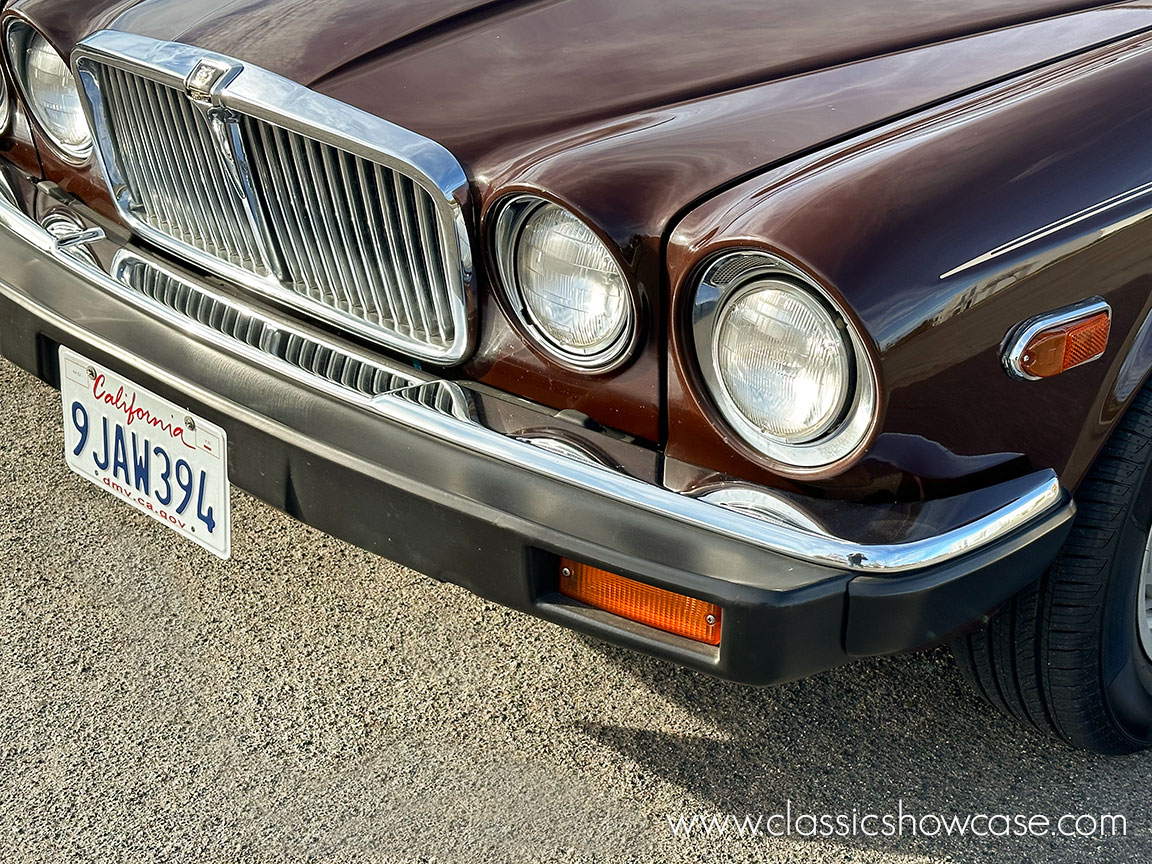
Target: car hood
(508, 84)
(643, 48)
(522, 68)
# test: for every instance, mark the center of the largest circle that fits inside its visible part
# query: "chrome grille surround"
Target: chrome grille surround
(319, 205)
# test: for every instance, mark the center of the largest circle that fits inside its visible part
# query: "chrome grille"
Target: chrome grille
(175, 178)
(307, 353)
(321, 206)
(443, 397)
(353, 234)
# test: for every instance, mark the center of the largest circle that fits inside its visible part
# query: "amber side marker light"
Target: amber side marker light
(645, 604)
(1058, 349)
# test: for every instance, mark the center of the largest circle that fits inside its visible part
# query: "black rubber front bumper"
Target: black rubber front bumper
(452, 511)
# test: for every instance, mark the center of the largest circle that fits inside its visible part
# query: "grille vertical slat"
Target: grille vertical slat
(435, 283)
(406, 205)
(177, 181)
(199, 164)
(311, 167)
(148, 193)
(373, 291)
(134, 166)
(386, 265)
(354, 234)
(232, 234)
(180, 199)
(390, 223)
(283, 212)
(353, 240)
(322, 243)
(345, 219)
(203, 224)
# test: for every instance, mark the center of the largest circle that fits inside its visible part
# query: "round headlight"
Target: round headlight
(563, 283)
(786, 370)
(782, 360)
(49, 90)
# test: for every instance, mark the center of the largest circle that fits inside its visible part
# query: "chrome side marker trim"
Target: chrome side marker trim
(1013, 352)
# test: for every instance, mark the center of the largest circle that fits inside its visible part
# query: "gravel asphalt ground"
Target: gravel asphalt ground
(308, 701)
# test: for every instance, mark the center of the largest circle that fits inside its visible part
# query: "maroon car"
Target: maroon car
(757, 337)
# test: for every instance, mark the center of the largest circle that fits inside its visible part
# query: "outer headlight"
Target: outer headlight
(782, 361)
(785, 369)
(49, 90)
(564, 284)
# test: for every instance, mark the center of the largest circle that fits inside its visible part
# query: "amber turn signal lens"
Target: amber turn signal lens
(646, 604)
(1058, 349)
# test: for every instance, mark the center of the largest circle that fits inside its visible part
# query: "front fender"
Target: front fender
(941, 233)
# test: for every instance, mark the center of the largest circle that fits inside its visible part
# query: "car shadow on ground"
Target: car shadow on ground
(868, 736)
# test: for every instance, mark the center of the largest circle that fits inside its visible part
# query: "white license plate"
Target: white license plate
(141, 448)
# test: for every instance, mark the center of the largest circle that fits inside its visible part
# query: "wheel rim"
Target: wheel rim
(1144, 601)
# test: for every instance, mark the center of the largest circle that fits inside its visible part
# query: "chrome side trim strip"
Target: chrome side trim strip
(441, 409)
(1012, 354)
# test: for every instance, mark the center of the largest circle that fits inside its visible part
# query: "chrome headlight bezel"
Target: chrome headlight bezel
(6, 105)
(18, 36)
(723, 281)
(511, 216)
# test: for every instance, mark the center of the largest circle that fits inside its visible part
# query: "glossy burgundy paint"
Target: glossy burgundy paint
(586, 100)
(600, 55)
(17, 144)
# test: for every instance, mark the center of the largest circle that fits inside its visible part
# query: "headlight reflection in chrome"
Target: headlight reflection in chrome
(785, 369)
(49, 90)
(5, 103)
(564, 284)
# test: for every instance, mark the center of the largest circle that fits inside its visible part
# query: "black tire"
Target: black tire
(1065, 656)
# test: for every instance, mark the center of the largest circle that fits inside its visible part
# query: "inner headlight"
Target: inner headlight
(784, 367)
(49, 89)
(563, 283)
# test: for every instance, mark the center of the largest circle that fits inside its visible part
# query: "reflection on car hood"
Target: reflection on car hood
(510, 83)
(536, 63)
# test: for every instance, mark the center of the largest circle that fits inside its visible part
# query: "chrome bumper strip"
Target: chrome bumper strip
(441, 409)
(414, 407)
